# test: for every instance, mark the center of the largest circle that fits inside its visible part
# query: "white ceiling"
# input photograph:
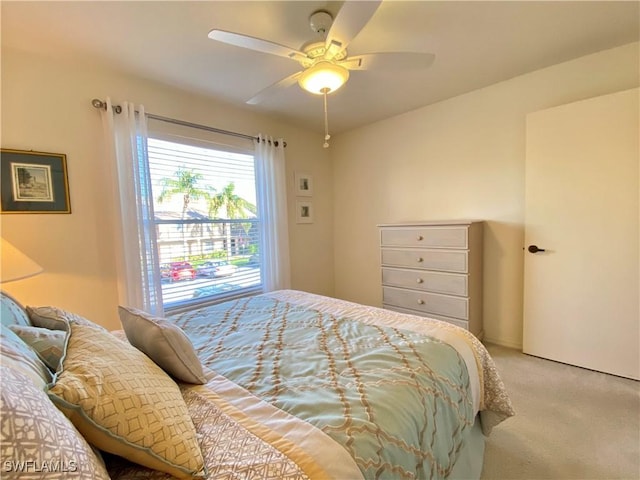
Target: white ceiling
(476, 44)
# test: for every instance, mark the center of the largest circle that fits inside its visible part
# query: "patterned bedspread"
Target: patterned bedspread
(304, 386)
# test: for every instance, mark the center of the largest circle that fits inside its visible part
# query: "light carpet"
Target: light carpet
(570, 423)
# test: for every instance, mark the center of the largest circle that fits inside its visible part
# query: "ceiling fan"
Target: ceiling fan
(326, 62)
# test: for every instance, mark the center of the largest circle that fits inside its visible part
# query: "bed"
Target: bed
(296, 385)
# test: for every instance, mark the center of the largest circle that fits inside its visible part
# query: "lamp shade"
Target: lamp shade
(323, 75)
(15, 265)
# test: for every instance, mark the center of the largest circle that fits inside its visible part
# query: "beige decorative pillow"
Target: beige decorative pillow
(48, 344)
(36, 439)
(125, 404)
(55, 318)
(164, 342)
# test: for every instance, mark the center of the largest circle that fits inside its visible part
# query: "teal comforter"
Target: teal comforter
(383, 393)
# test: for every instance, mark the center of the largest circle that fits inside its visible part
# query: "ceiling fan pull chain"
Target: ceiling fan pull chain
(326, 120)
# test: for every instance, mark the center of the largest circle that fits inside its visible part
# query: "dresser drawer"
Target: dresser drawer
(438, 304)
(437, 282)
(460, 323)
(446, 261)
(428, 237)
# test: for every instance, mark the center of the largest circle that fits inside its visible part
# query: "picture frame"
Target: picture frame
(33, 182)
(304, 212)
(304, 184)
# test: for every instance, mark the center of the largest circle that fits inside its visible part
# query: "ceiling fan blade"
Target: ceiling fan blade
(252, 43)
(274, 89)
(351, 18)
(388, 61)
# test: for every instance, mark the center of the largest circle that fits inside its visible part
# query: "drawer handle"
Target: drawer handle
(420, 302)
(419, 280)
(419, 238)
(420, 259)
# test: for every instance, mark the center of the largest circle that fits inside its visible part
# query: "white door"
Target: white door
(581, 294)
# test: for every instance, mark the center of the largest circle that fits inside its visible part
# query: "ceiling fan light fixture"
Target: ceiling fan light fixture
(323, 76)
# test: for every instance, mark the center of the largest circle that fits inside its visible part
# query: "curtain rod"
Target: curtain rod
(97, 103)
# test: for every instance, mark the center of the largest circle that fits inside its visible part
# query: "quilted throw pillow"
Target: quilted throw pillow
(36, 439)
(125, 404)
(164, 342)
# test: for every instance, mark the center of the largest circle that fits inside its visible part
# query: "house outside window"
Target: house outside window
(207, 227)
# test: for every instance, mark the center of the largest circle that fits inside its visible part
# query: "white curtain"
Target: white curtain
(272, 211)
(136, 247)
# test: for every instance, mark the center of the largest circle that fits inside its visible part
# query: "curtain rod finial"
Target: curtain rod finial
(97, 103)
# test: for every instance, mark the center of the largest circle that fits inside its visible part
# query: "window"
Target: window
(206, 221)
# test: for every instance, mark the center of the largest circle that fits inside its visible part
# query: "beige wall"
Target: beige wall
(46, 107)
(460, 158)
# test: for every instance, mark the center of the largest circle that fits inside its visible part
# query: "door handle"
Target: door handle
(535, 249)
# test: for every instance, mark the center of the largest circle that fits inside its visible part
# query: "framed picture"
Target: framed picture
(33, 182)
(304, 212)
(304, 184)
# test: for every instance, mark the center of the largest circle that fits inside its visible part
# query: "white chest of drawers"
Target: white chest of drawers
(434, 269)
